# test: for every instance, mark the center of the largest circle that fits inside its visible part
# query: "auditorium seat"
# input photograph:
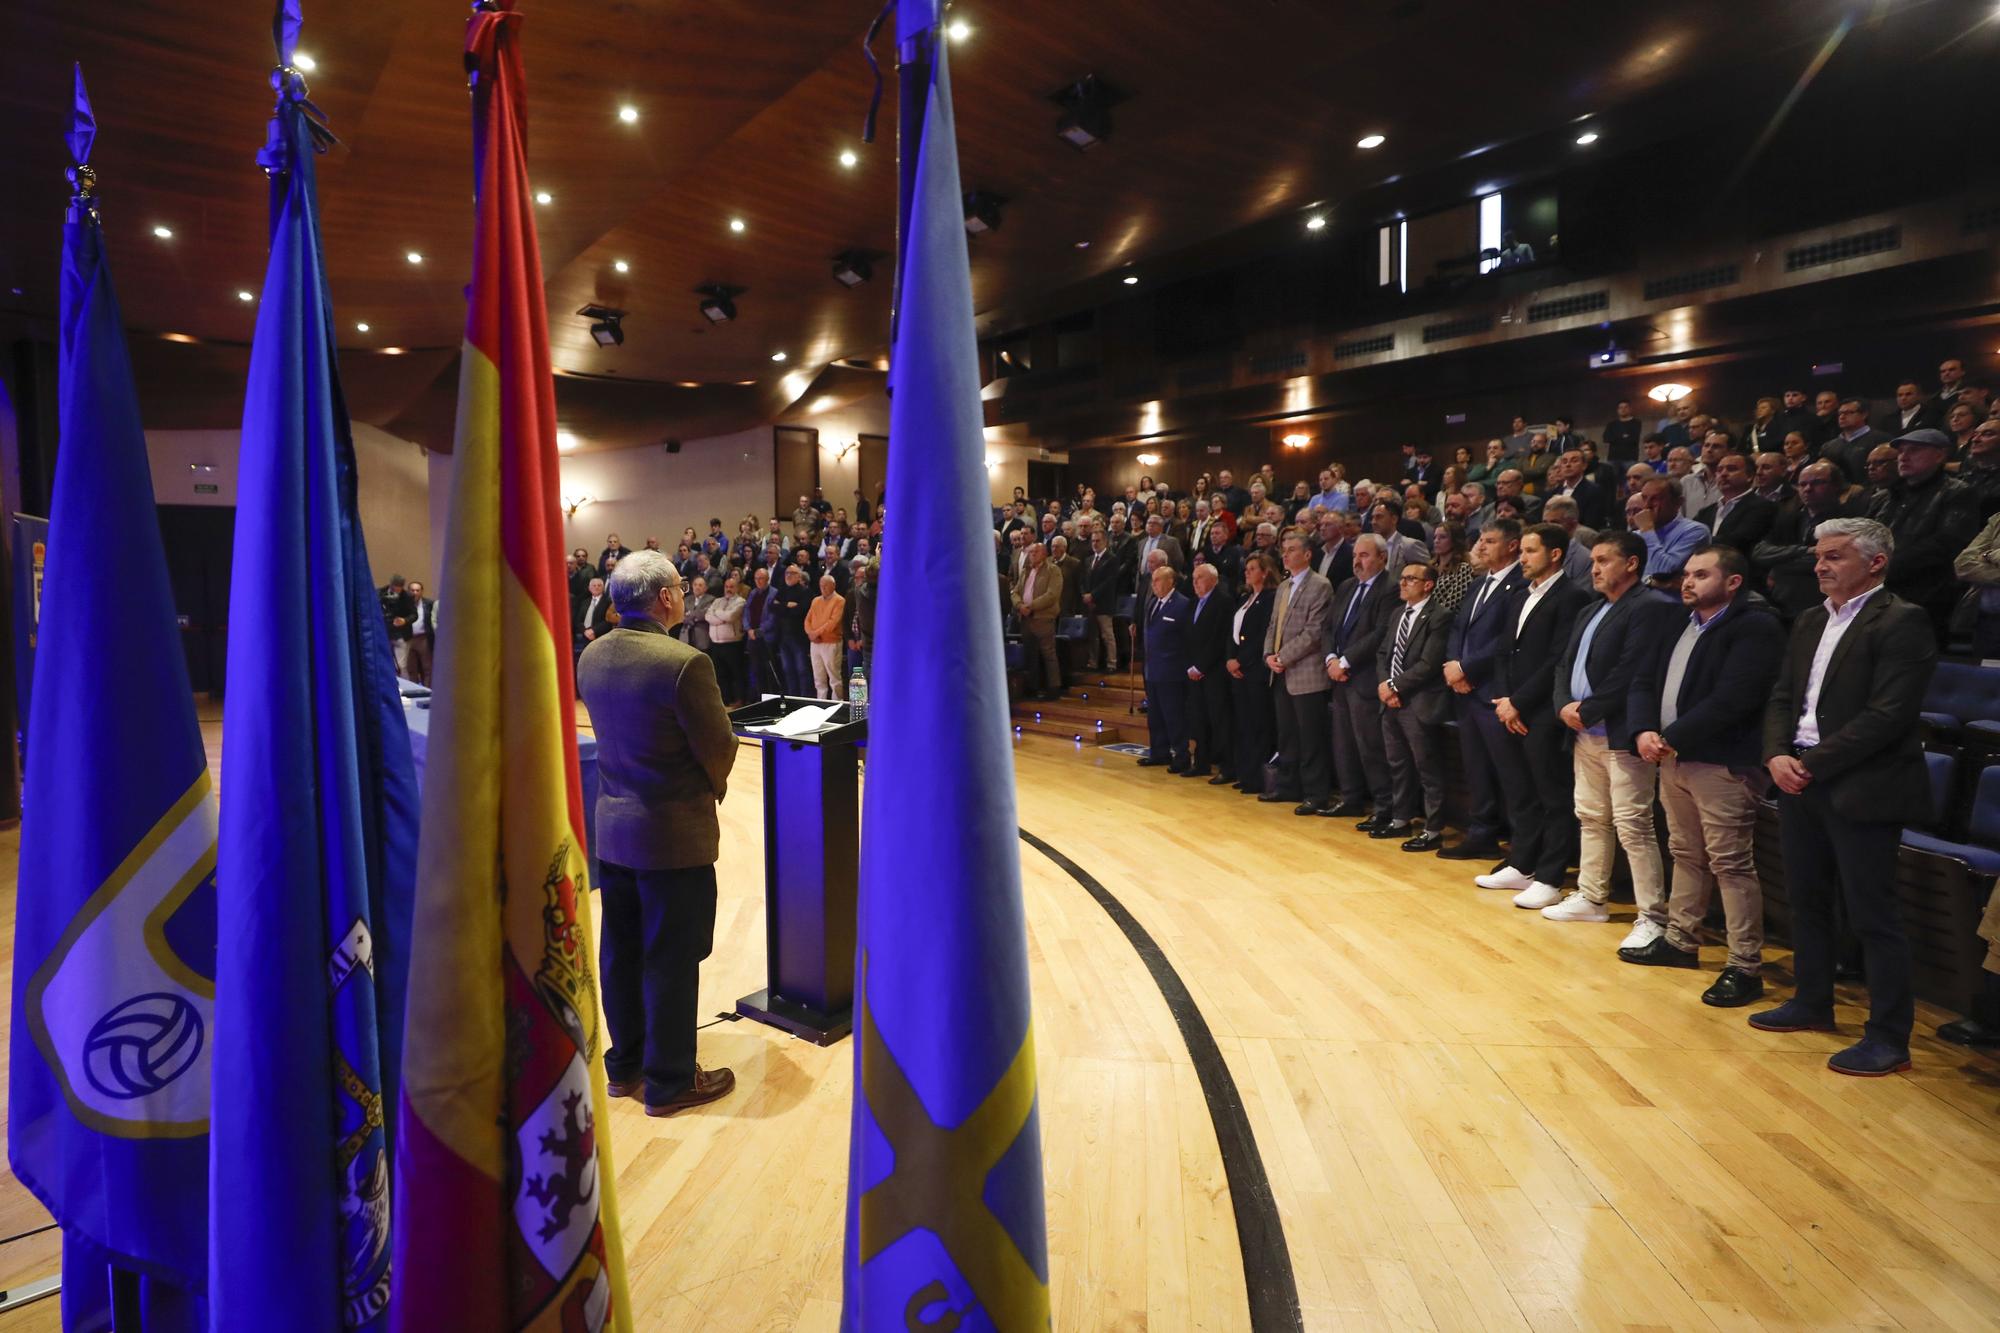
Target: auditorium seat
(1981, 848)
(1964, 696)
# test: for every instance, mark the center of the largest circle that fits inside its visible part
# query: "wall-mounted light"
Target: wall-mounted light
(1297, 440)
(1668, 393)
(572, 503)
(992, 463)
(1149, 460)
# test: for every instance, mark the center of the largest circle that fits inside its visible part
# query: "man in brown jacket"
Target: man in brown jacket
(664, 750)
(1038, 596)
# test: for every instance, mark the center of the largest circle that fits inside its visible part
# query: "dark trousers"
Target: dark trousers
(795, 666)
(1256, 726)
(1167, 718)
(1535, 773)
(1211, 724)
(1416, 767)
(1358, 759)
(1044, 673)
(658, 925)
(1480, 735)
(1829, 856)
(763, 669)
(728, 659)
(1303, 764)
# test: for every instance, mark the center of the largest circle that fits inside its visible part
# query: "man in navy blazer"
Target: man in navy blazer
(1471, 657)
(1614, 786)
(1534, 758)
(1361, 608)
(1695, 709)
(1208, 639)
(1168, 614)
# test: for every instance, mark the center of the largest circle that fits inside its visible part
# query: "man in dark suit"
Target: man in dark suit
(1614, 787)
(762, 664)
(614, 551)
(785, 616)
(1299, 683)
(1695, 710)
(1361, 609)
(1409, 667)
(1533, 758)
(398, 610)
(1786, 556)
(1841, 741)
(1850, 445)
(1570, 476)
(1226, 488)
(1105, 578)
(1912, 411)
(1470, 668)
(1933, 517)
(1167, 617)
(1210, 724)
(1226, 556)
(664, 751)
(1154, 540)
(1333, 553)
(593, 618)
(1739, 517)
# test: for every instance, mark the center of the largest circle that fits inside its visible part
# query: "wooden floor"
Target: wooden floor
(1471, 1117)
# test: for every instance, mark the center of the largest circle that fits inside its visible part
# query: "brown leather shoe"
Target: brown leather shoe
(709, 1085)
(634, 1088)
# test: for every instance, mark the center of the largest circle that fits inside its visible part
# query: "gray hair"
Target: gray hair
(1870, 537)
(1263, 528)
(1559, 504)
(638, 581)
(1369, 538)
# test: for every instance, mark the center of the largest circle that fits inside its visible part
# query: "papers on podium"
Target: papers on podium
(800, 721)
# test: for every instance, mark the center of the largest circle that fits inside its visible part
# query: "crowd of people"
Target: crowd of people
(1728, 615)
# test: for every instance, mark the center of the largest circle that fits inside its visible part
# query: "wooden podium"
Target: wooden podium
(812, 862)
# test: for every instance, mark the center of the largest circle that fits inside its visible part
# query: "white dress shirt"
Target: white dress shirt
(1536, 591)
(1837, 623)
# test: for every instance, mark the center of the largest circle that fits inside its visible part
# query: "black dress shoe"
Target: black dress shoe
(1308, 808)
(1222, 780)
(1373, 822)
(1275, 798)
(1343, 809)
(1177, 770)
(1470, 851)
(1661, 954)
(1147, 761)
(1194, 772)
(1733, 988)
(1969, 1032)
(1391, 829)
(1425, 842)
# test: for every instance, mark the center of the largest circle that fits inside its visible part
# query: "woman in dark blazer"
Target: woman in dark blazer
(1250, 678)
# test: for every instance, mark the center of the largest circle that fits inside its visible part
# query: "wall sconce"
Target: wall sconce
(840, 451)
(1297, 440)
(991, 463)
(572, 503)
(1668, 393)
(1149, 460)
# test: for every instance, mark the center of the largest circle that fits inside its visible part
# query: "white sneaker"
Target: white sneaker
(1644, 931)
(1576, 907)
(1506, 877)
(1538, 895)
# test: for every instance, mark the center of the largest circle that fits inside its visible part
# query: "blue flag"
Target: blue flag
(114, 937)
(319, 832)
(945, 1167)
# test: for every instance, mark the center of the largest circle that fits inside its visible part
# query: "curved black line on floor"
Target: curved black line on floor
(1260, 1233)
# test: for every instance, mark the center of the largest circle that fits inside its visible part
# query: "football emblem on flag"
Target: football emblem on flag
(142, 1045)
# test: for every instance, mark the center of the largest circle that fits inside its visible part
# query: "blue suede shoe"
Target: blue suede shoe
(1870, 1057)
(1791, 1016)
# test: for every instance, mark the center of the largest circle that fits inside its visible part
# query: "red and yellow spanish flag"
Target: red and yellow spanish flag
(505, 1211)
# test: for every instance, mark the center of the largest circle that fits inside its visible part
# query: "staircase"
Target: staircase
(1092, 712)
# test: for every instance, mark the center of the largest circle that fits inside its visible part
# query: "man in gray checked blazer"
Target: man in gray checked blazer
(1292, 651)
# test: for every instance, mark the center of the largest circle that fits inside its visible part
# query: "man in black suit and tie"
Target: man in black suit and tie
(1167, 616)
(1409, 665)
(1105, 578)
(1361, 610)
(1570, 476)
(1842, 743)
(1614, 787)
(1209, 646)
(593, 618)
(1740, 517)
(1534, 758)
(1471, 663)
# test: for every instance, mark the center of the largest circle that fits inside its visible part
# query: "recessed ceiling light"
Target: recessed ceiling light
(246, 296)
(164, 233)
(1370, 141)
(1130, 280)
(302, 61)
(361, 327)
(736, 224)
(1587, 138)
(621, 266)
(392, 351)
(180, 337)
(777, 356)
(629, 114)
(414, 257)
(544, 197)
(1317, 222)
(958, 30)
(848, 157)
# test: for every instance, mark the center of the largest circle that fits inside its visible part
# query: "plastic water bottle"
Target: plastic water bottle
(857, 693)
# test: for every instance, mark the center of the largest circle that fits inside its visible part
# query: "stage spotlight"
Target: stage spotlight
(1086, 118)
(718, 304)
(982, 212)
(606, 329)
(851, 268)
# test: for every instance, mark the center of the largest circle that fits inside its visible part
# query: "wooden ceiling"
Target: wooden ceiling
(1237, 114)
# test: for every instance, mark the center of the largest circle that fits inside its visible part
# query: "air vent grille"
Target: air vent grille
(1369, 346)
(1279, 363)
(1843, 248)
(1565, 307)
(1457, 328)
(1696, 280)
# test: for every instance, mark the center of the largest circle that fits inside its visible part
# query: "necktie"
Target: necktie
(1353, 608)
(1402, 638)
(1480, 600)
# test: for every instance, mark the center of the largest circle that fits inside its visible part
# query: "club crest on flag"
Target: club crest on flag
(119, 1014)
